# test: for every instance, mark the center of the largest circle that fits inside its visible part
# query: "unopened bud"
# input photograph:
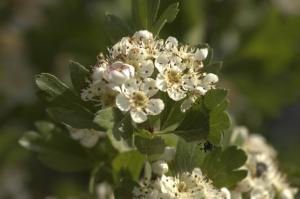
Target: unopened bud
(201, 54)
(168, 154)
(160, 167)
(119, 72)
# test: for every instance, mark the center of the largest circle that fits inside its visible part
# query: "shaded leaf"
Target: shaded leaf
(75, 118)
(105, 118)
(188, 156)
(117, 28)
(214, 97)
(131, 162)
(166, 17)
(222, 166)
(79, 75)
(149, 146)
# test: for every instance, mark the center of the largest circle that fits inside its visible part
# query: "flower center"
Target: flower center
(173, 76)
(139, 99)
(182, 187)
(261, 168)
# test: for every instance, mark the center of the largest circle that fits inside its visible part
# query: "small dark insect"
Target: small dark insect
(207, 146)
(261, 168)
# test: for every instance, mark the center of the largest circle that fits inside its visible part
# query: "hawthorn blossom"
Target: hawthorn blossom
(136, 98)
(264, 179)
(185, 185)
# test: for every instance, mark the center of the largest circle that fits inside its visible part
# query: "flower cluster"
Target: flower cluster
(87, 137)
(140, 67)
(185, 185)
(264, 180)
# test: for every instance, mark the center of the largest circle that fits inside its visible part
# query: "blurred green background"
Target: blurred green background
(258, 40)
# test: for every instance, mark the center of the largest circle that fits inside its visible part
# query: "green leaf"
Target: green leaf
(166, 17)
(149, 146)
(171, 116)
(214, 97)
(79, 75)
(122, 128)
(195, 125)
(56, 93)
(222, 166)
(188, 156)
(105, 118)
(76, 118)
(56, 150)
(218, 122)
(131, 162)
(117, 28)
(64, 162)
(51, 85)
(153, 7)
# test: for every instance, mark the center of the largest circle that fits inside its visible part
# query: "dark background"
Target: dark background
(258, 40)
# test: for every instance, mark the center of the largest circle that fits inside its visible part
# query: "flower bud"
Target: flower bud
(143, 35)
(168, 154)
(119, 72)
(201, 54)
(210, 78)
(226, 193)
(160, 167)
(171, 42)
(98, 73)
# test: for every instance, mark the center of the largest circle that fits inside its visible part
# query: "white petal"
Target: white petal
(188, 82)
(147, 68)
(226, 193)
(201, 90)
(176, 94)
(171, 42)
(149, 87)
(138, 116)
(210, 78)
(143, 35)
(98, 73)
(131, 86)
(161, 82)
(155, 106)
(160, 167)
(201, 54)
(186, 105)
(161, 63)
(122, 102)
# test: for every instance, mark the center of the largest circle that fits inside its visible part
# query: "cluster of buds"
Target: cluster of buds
(140, 67)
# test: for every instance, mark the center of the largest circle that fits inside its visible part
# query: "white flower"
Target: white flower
(135, 97)
(264, 180)
(87, 137)
(118, 73)
(209, 80)
(144, 36)
(170, 78)
(185, 185)
(201, 54)
(160, 167)
(171, 43)
(146, 68)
